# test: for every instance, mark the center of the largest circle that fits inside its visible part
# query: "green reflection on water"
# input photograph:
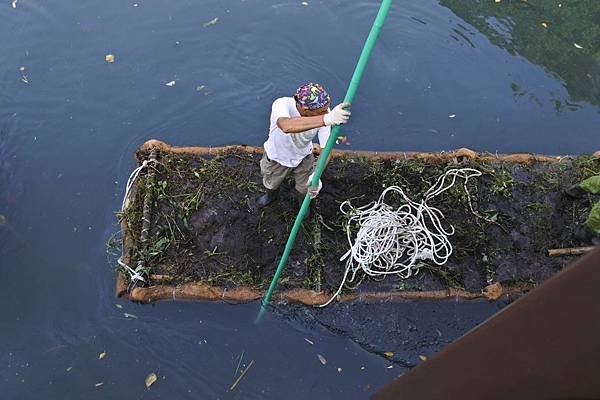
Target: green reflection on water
(548, 33)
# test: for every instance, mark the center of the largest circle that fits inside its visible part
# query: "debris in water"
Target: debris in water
(99, 384)
(119, 306)
(305, 3)
(423, 358)
(150, 379)
(127, 315)
(578, 46)
(322, 359)
(69, 369)
(389, 354)
(339, 369)
(21, 68)
(451, 115)
(241, 375)
(199, 88)
(101, 355)
(545, 25)
(172, 83)
(211, 22)
(493, 291)
(109, 58)
(14, 4)
(24, 79)
(239, 363)
(309, 341)
(390, 367)
(2, 220)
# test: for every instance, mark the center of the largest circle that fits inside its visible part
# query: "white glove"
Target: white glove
(312, 191)
(339, 115)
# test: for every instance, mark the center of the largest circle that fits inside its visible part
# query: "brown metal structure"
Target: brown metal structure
(546, 345)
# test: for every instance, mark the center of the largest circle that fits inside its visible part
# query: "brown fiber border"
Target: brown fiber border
(202, 291)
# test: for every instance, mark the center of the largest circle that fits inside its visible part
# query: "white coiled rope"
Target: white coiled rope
(392, 240)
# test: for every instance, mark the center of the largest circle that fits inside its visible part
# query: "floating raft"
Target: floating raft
(191, 220)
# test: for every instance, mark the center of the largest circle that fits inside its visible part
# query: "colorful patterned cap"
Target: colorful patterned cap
(312, 96)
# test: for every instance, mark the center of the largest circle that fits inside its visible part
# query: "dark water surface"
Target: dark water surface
(69, 123)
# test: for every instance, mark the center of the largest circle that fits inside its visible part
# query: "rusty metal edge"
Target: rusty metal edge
(543, 346)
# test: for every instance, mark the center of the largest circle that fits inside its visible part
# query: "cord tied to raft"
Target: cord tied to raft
(393, 240)
(132, 178)
(135, 275)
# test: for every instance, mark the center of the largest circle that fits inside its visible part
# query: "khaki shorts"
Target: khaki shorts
(274, 173)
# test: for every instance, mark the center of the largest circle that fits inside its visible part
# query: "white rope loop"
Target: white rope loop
(132, 178)
(391, 241)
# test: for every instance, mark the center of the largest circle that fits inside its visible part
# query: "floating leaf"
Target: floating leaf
(389, 354)
(423, 358)
(150, 379)
(101, 355)
(127, 315)
(211, 22)
(578, 46)
(170, 84)
(322, 359)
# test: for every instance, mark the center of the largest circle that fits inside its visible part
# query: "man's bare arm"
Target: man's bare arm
(299, 124)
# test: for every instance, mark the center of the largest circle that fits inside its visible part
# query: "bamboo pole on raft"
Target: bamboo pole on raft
(335, 133)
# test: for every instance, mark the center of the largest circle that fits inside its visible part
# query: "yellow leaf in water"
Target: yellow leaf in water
(578, 46)
(101, 355)
(322, 359)
(423, 358)
(150, 379)
(389, 354)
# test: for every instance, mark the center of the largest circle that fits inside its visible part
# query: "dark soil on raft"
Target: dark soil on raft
(205, 226)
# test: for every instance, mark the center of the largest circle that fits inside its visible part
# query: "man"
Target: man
(295, 121)
(590, 231)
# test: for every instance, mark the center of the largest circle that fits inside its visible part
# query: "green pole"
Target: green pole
(335, 133)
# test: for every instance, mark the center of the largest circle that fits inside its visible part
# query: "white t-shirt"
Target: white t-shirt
(289, 149)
